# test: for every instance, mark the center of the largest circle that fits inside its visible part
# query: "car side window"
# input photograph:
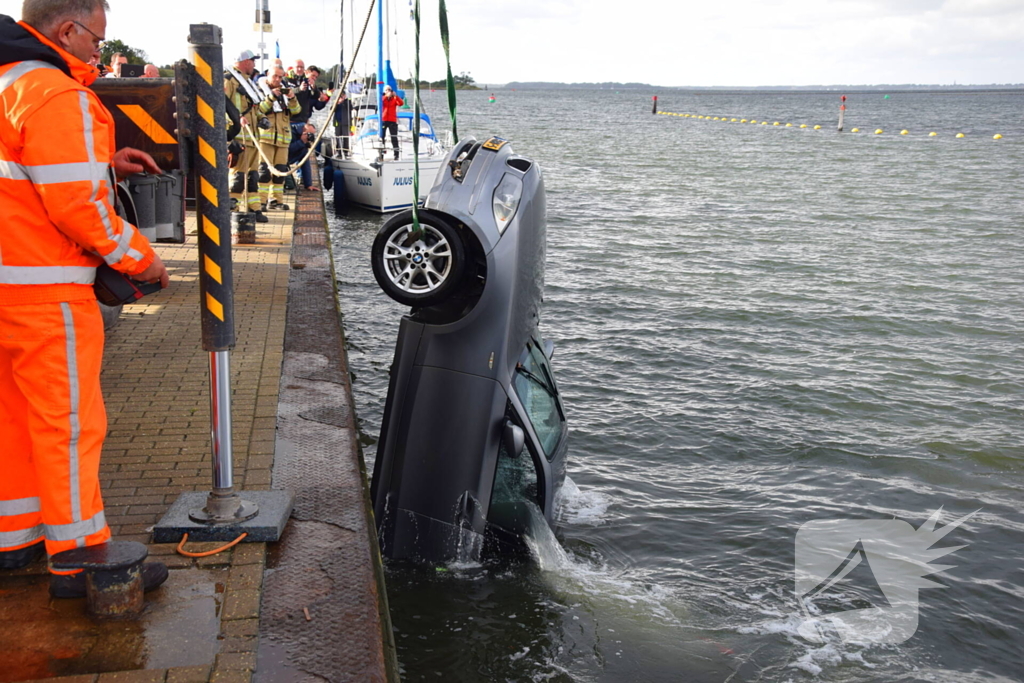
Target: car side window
(535, 386)
(515, 479)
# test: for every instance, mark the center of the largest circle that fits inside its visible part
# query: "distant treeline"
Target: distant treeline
(462, 82)
(888, 87)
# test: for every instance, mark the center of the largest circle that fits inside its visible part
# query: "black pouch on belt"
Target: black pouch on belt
(113, 288)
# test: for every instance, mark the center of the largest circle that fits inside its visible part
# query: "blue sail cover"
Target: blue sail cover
(389, 79)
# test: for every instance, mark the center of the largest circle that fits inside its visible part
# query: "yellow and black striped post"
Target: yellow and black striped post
(221, 515)
(207, 123)
(208, 126)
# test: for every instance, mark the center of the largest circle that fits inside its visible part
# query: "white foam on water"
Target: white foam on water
(519, 655)
(581, 507)
(582, 578)
(815, 660)
(812, 658)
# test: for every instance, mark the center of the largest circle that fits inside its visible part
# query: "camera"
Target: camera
(286, 91)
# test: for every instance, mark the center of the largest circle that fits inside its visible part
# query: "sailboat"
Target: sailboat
(373, 178)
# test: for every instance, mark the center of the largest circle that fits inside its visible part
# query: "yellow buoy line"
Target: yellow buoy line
(726, 119)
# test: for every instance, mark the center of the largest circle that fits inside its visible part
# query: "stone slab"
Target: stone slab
(266, 527)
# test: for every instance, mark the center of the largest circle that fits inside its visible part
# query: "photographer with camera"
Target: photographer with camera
(278, 106)
(301, 142)
(310, 97)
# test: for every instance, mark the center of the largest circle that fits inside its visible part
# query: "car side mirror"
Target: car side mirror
(513, 438)
(549, 348)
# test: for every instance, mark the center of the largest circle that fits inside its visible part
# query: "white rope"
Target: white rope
(330, 115)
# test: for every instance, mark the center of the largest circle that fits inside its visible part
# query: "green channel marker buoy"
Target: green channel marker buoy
(886, 97)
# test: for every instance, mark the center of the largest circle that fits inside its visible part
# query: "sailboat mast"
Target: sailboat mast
(340, 75)
(380, 64)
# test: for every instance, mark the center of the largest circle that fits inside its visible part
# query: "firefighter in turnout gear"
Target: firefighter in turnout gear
(278, 106)
(58, 223)
(245, 96)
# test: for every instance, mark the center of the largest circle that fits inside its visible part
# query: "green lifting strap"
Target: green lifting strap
(417, 231)
(448, 62)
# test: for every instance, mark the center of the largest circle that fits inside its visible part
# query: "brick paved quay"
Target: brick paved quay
(212, 621)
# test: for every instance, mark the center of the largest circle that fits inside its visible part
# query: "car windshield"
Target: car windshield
(536, 390)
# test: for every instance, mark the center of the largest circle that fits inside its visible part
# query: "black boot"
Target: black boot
(22, 557)
(259, 217)
(73, 585)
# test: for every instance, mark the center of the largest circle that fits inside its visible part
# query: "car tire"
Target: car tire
(418, 272)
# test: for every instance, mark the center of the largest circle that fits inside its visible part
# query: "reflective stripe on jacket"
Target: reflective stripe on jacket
(280, 131)
(56, 185)
(243, 103)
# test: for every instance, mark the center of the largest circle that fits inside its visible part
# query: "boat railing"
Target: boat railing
(337, 148)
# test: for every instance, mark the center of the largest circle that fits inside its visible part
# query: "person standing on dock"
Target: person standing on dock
(244, 97)
(278, 106)
(389, 119)
(57, 176)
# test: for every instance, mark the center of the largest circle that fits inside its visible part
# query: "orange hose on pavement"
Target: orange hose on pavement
(184, 539)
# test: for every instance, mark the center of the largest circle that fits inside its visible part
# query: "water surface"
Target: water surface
(755, 327)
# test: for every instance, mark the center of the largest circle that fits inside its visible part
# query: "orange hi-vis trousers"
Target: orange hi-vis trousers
(52, 425)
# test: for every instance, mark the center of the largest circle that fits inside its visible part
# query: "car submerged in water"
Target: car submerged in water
(474, 437)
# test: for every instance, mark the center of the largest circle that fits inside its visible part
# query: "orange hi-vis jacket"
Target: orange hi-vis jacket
(57, 194)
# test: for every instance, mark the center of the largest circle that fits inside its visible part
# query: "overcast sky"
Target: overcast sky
(662, 42)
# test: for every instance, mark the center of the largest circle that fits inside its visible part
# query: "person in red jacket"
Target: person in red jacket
(57, 189)
(389, 119)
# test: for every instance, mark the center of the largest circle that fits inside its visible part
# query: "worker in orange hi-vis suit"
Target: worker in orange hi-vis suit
(57, 167)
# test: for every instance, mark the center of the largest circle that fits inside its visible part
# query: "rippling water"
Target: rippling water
(755, 327)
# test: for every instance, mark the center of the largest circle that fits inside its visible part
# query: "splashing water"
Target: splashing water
(581, 507)
(595, 582)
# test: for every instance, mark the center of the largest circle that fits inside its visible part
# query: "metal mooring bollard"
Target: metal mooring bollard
(113, 577)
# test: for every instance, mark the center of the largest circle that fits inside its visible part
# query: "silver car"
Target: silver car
(474, 437)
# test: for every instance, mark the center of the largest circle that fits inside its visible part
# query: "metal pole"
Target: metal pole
(220, 429)
(216, 285)
(259, 17)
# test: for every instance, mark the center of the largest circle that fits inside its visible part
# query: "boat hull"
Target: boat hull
(385, 186)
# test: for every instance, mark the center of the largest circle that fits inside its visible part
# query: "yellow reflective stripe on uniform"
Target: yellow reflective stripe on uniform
(20, 506)
(76, 530)
(10, 539)
(23, 68)
(47, 275)
(50, 174)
